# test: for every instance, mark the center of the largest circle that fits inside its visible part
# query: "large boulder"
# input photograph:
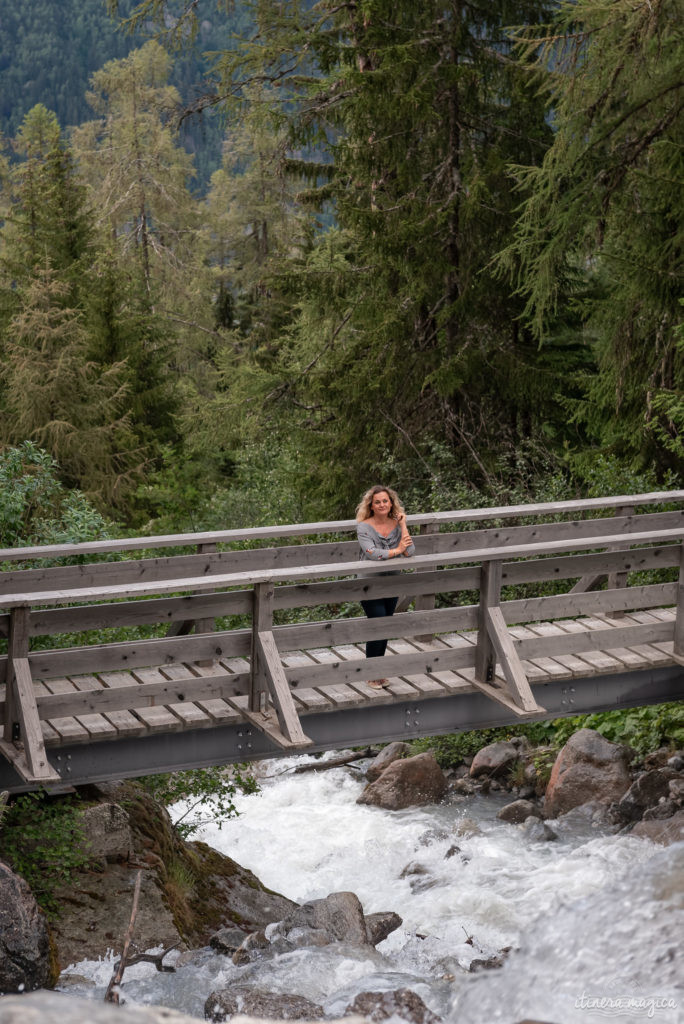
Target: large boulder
(518, 812)
(402, 1003)
(589, 767)
(59, 1008)
(382, 924)
(664, 832)
(411, 782)
(189, 890)
(646, 791)
(392, 752)
(494, 759)
(337, 918)
(24, 943)
(227, 1002)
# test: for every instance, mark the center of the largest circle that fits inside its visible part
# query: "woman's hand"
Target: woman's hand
(404, 543)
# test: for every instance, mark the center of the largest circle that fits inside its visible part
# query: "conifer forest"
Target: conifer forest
(256, 256)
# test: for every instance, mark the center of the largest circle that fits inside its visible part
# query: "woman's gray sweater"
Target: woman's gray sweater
(375, 547)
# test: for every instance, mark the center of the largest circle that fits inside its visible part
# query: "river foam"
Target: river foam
(582, 912)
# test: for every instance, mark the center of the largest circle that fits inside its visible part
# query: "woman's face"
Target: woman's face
(381, 503)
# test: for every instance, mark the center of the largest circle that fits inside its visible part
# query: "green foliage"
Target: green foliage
(42, 839)
(600, 230)
(644, 729)
(35, 507)
(208, 790)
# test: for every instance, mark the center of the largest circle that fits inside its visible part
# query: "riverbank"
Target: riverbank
(465, 883)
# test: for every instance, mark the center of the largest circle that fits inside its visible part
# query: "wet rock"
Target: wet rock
(676, 762)
(387, 756)
(518, 811)
(402, 1003)
(490, 962)
(227, 940)
(60, 1008)
(451, 852)
(538, 831)
(662, 810)
(467, 827)
(414, 868)
(249, 949)
(464, 787)
(663, 832)
(589, 767)
(24, 944)
(411, 782)
(382, 924)
(227, 1002)
(461, 772)
(339, 917)
(494, 759)
(433, 835)
(107, 831)
(646, 791)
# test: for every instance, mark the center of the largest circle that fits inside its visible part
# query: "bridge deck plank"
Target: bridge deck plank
(70, 729)
(426, 684)
(215, 708)
(327, 655)
(449, 679)
(307, 697)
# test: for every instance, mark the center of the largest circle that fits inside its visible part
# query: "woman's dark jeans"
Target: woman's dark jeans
(377, 608)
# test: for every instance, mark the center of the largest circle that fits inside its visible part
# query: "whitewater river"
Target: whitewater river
(596, 920)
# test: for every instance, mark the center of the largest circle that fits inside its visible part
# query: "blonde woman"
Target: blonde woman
(383, 534)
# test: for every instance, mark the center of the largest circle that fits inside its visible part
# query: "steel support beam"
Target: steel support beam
(162, 752)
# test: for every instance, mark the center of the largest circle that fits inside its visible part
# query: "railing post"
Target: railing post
(205, 625)
(617, 580)
(490, 594)
(262, 622)
(679, 620)
(426, 602)
(17, 647)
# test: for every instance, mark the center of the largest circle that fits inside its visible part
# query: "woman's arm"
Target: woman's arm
(372, 550)
(406, 545)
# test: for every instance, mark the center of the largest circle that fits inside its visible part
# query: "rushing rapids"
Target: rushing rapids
(595, 919)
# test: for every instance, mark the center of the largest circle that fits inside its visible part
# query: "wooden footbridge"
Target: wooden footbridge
(254, 641)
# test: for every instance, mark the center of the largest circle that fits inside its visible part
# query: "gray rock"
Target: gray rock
(490, 962)
(494, 759)
(60, 1008)
(467, 827)
(464, 787)
(411, 782)
(382, 924)
(676, 790)
(664, 832)
(227, 940)
(107, 831)
(339, 917)
(227, 1002)
(538, 831)
(519, 811)
(662, 810)
(676, 762)
(402, 1003)
(588, 767)
(387, 756)
(24, 944)
(646, 791)
(249, 949)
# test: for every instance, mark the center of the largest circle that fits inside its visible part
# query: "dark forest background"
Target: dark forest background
(256, 256)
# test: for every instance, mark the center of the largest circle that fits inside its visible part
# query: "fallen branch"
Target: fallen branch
(152, 958)
(112, 993)
(337, 762)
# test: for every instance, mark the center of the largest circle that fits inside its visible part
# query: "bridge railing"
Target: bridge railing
(260, 683)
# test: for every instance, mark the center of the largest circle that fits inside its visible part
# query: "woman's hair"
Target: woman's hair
(364, 510)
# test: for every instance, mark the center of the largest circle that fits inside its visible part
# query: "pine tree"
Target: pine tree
(604, 209)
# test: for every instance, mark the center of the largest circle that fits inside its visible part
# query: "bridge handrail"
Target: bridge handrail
(338, 526)
(73, 595)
